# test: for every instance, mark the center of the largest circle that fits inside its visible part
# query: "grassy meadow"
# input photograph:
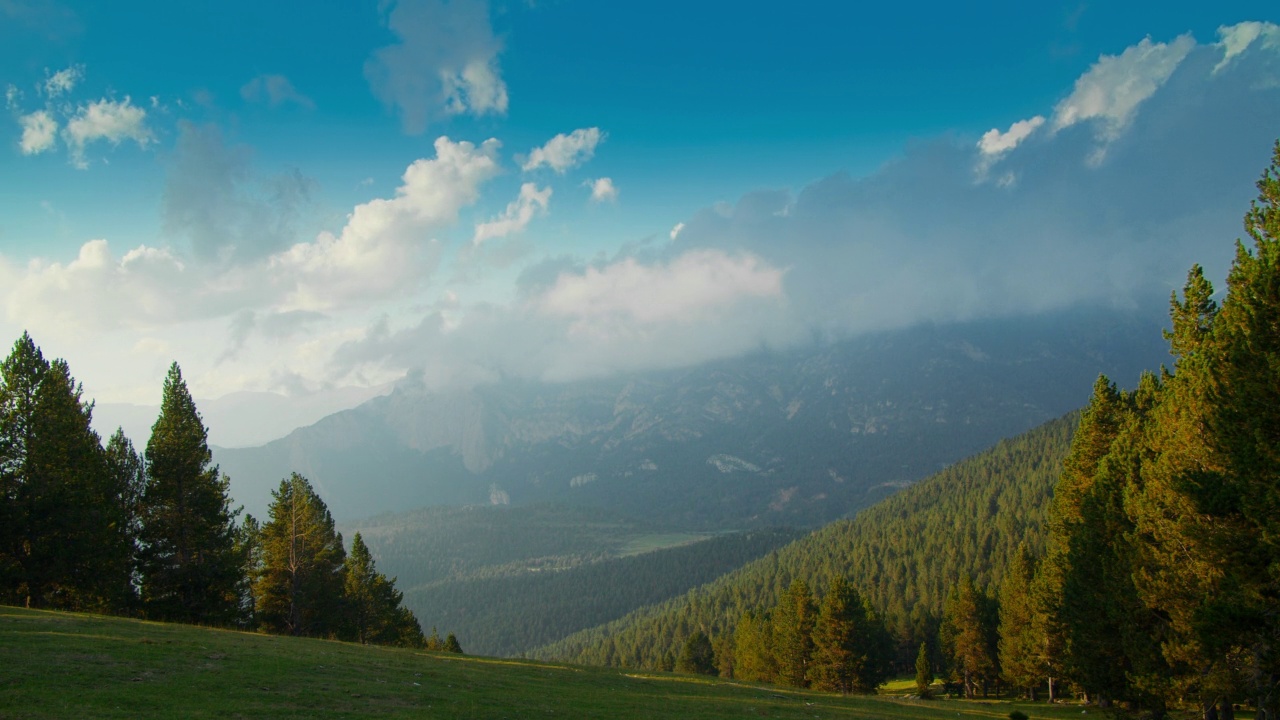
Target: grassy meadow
(70, 665)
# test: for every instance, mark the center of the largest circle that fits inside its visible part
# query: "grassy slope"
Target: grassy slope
(69, 665)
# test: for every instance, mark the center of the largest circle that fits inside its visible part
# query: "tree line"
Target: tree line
(153, 534)
(1160, 584)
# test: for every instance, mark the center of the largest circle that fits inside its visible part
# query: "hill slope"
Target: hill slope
(508, 579)
(797, 438)
(67, 665)
(903, 554)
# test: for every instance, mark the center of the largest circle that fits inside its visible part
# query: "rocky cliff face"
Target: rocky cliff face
(799, 437)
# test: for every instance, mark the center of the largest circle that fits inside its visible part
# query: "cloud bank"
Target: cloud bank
(1107, 197)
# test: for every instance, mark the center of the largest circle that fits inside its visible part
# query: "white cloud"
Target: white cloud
(275, 90)
(519, 213)
(563, 152)
(602, 190)
(675, 231)
(98, 291)
(63, 81)
(994, 142)
(106, 120)
(687, 287)
(39, 132)
(1111, 91)
(388, 245)
(1235, 39)
(446, 62)
(624, 315)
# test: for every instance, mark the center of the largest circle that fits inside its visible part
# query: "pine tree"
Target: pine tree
(967, 629)
(373, 604)
(300, 588)
(924, 672)
(433, 642)
(192, 567)
(127, 473)
(697, 656)
(722, 646)
(753, 649)
(65, 537)
(1206, 517)
(1022, 630)
(1244, 423)
(851, 648)
(793, 620)
(451, 644)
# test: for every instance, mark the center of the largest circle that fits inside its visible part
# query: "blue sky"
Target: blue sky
(279, 211)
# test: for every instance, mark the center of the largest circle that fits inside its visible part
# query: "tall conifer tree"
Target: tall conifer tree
(793, 620)
(374, 606)
(299, 591)
(64, 543)
(192, 567)
(851, 647)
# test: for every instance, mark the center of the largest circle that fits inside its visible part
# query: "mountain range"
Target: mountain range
(797, 437)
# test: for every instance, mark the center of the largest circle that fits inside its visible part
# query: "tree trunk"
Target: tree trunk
(1226, 711)
(1033, 693)
(1052, 698)
(1209, 711)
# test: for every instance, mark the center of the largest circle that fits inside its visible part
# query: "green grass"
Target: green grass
(659, 541)
(69, 665)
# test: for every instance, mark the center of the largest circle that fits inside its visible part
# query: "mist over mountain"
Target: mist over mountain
(240, 419)
(799, 438)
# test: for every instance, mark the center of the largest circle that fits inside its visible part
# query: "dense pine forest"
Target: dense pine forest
(904, 554)
(509, 614)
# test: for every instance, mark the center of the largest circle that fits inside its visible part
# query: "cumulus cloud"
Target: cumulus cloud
(275, 90)
(994, 142)
(631, 292)
(389, 245)
(110, 120)
(39, 132)
(1235, 39)
(564, 152)
(602, 190)
(519, 213)
(63, 81)
(917, 241)
(99, 291)
(445, 63)
(1111, 91)
(583, 321)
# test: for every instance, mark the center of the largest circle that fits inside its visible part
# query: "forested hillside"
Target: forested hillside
(508, 579)
(512, 613)
(903, 553)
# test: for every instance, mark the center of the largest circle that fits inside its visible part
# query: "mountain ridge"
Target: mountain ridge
(796, 438)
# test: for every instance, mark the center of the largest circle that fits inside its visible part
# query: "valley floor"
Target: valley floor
(70, 665)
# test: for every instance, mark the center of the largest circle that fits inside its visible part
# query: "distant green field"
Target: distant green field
(659, 541)
(67, 665)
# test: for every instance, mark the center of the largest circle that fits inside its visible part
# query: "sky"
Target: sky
(305, 198)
